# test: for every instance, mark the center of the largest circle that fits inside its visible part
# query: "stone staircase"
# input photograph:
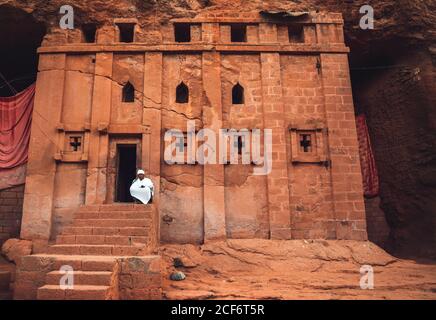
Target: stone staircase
(5, 279)
(110, 249)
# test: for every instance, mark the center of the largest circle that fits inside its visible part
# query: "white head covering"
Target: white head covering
(142, 189)
(140, 171)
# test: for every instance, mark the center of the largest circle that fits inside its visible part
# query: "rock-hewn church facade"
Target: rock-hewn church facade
(106, 97)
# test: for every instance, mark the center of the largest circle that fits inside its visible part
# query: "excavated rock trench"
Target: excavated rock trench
(296, 269)
(392, 71)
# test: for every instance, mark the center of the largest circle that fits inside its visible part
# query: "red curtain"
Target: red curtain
(367, 161)
(15, 121)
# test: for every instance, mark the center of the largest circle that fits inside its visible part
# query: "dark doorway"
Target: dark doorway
(126, 172)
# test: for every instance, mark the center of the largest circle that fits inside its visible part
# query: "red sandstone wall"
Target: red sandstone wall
(309, 183)
(245, 194)
(69, 184)
(181, 185)
(11, 206)
(127, 67)
(282, 91)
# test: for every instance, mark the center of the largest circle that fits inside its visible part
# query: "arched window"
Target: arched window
(128, 93)
(238, 94)
(182, 93)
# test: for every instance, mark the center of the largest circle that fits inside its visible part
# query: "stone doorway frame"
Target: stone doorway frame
(112, 162)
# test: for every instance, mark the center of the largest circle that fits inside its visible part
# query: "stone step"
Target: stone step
(77, 262)
(116, 207)
(37, 262)
(101, 239)
(80, 292)
(38, 276)
(111, 223)
(103, 250)
(94, 278)
(5, 280)
(124, 231)
(112, 215)
(5, 295)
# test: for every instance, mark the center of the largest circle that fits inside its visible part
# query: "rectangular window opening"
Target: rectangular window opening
(238, 33)
(182, 32)
(296, 33)
(127, 32)
(89, 32)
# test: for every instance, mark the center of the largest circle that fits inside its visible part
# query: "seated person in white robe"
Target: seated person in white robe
(142, 189)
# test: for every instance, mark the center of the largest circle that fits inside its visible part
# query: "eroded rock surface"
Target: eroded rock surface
(297, 269)
(14, 249)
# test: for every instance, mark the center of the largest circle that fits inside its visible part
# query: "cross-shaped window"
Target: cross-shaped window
(240, 144)
(181, 144)
(75, 143)
(305, 142)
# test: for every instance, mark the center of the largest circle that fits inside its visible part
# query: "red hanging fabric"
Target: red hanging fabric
(15, 121)
(367, 161)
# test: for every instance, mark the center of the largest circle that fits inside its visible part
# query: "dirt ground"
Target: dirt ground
(296, 269)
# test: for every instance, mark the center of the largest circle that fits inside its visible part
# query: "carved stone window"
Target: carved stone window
(89, 32)
(296, 33)
(181, 152)
(73, 143)
(308, 144)
(238, 94)
(182, 32)
(238, 33)
(126, 32)
(182, 93)
(128, 93)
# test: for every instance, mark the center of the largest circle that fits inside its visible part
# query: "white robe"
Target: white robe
(142, 190)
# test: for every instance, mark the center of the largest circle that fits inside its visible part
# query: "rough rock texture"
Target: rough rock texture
(297, 269)
(377, 225)
(399, 104)
(14, 249)
(413, 20)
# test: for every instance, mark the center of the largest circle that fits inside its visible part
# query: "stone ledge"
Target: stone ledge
(172, 47)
